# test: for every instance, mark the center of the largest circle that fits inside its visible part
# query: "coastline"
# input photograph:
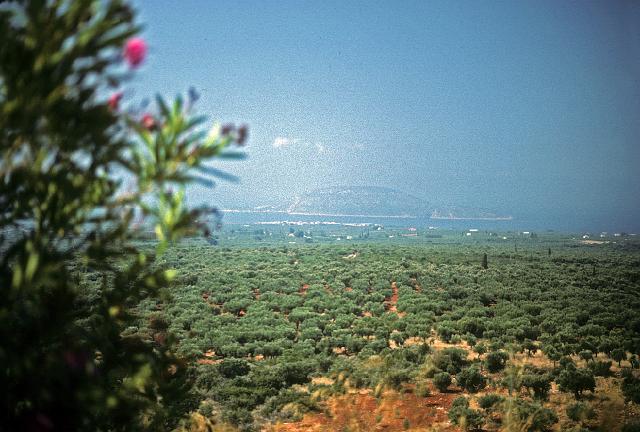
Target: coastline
(404, 216)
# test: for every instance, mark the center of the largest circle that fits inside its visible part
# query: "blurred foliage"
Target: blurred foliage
(66, 360)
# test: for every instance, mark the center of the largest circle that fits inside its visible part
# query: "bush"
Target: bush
(600, 368)
(395, 378)
(460, 402)
(422, 390)
(540, 384)
(576, 380)
(451, 360)
(301, 400)
(442, 381)
(631, 386)
(471, 379)
(231, 367)
(496, 361)
(580, 411)
(460, 414)
(586, 355)
(489, 401)
(406, 424)
(445, 332)
(65, 150)
(618, 355)
(297, 372)
(535, 416)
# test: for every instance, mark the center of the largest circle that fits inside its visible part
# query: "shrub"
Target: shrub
(586, 355)
(480, 348)
(496, 361)
(442, 381)
(302, 402)
(451, 360)
(540, 384)
(618, 355)
(489, 401)
(445, 332)
(580, 411)
(460, 402)
(631, 386)
(422, 390)
(471, 379)
(231, 367)
(474, 326)
(600, 368)
(395, 378)
(576, 380)
(65, 149)
(536, 417)
(297, 372)
(460, 414)
(565, 362)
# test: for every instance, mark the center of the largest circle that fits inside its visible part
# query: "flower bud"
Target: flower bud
(135, 50)
(148, 122)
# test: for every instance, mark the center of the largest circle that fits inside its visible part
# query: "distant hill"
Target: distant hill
(454, 212)
(359, 200)
(375, 201)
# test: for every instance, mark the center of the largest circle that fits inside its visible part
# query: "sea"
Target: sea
(244, 217)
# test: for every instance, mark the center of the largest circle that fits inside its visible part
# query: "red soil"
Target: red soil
(208, 361)
(393, 301)
(303, 289)
(363, 412)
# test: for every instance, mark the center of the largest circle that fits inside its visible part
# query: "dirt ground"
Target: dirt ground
(393, 411)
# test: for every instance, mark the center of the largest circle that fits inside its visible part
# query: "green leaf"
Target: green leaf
(218, 173)
(233, 155)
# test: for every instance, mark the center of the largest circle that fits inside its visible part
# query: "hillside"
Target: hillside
(365, 200)
(376, 201)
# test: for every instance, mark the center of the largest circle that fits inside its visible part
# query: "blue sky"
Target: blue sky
(527, 107)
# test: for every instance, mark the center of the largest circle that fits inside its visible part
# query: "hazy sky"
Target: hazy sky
(523, 107)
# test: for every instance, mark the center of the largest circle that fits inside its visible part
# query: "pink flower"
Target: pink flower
(148, 122)
(114, 101)
(135, 51)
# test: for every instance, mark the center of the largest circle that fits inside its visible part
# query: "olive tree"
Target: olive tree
(576, 380)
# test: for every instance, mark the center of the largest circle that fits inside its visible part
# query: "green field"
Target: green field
(261, 314)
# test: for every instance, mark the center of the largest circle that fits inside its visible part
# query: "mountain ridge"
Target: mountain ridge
(374, 201)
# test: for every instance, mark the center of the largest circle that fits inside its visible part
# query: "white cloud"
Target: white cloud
(281, 142)
(316, 147)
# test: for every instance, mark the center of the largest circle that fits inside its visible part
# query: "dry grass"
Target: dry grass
(361, 410)
(392, 411)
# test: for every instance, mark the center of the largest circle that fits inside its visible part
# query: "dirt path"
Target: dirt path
(303, 289)
(391, 305)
